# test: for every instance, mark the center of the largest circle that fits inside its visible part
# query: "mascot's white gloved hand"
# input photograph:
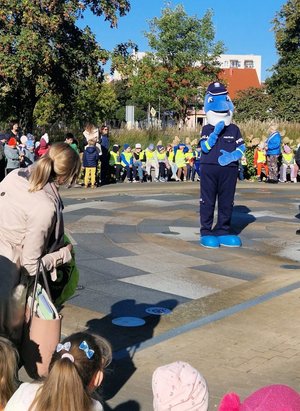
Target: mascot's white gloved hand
(213, 137)
(227, 158)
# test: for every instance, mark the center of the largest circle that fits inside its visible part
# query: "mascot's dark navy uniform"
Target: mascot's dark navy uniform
(222, 146)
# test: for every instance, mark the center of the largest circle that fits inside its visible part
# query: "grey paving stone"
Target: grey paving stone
(219, 270)
(153, 226)
(97, 245)
(119, 233)
(110, 269)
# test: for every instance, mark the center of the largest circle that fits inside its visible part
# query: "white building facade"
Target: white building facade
(241, 61)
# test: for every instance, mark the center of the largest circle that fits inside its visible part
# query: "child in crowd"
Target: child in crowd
(241, 168)
(127, 163)
(170, 155)
(43, 147)
(89, 163)
(179, 387)
(260, 161)
(270, 398)
(163, 163)
(151, 161)
(70, 139)
(180, 162)
(190, 157)
(27, 154)
(115, 163)
(75, 371)
(288, 162)
(8, 371)
(12, 155)
(138, 158)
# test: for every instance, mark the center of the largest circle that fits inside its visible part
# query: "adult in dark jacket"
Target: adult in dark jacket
(89, 162)
(104, 141)
(3, 141)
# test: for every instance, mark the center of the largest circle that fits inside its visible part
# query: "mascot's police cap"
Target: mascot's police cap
(216, 89)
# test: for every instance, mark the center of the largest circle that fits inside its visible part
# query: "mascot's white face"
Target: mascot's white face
(218, 108)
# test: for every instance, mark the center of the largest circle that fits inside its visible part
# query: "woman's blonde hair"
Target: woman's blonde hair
(71, 371)
(61, 163)
(9, 358)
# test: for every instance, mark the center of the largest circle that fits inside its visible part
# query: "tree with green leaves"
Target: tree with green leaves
(253, 103)
(183, 61)
(284, 84)
(43, 53)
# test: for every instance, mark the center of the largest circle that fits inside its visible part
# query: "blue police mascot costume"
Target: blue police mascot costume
(222, 146)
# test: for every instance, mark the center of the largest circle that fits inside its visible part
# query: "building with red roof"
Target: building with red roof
(239, 79)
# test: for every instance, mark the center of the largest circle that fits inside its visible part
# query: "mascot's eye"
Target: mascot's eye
(210, 100)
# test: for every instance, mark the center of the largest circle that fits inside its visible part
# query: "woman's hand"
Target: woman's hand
(70, 247)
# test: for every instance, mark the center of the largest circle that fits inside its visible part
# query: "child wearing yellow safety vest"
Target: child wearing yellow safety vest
(288, 161)
(151, 161)
(190, 157)
(115, 163)
(180, 162)
(163, 163)
(260, 161)
(138, 159)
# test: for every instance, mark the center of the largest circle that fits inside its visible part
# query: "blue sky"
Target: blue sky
(243, 25)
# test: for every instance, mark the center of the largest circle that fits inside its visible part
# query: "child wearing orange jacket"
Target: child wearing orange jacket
(260, 161)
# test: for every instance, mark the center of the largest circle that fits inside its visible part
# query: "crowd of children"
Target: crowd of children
(176, 161)
(20, 151)
(155, 163)
(288, 163)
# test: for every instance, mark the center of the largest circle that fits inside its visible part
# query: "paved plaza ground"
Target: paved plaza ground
(234, 313)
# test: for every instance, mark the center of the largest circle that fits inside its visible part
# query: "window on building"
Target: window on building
(235, 64)
(249, 64)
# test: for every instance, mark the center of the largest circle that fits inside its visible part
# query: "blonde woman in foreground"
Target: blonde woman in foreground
(31, 228)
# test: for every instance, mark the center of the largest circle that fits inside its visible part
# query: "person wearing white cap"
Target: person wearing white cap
(138, 158)
(179, 387)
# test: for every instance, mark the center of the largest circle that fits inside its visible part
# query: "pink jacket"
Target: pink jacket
(26, 223)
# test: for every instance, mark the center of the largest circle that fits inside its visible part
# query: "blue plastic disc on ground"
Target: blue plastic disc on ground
(158, 310)
(128, 321)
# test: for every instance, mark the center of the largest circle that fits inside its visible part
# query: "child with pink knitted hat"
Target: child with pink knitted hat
(269, 398)
(179, 387)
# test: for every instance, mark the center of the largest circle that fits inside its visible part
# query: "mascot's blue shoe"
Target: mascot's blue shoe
(209, 241)
(229, 240)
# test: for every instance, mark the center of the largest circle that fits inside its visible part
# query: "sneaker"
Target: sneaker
(156, 180)
(184, 178)
(134, 180)
(282, 181)
(177, 179)
(162, 180)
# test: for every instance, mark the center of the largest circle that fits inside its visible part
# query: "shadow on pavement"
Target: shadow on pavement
(241, 217)
(125, 340)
